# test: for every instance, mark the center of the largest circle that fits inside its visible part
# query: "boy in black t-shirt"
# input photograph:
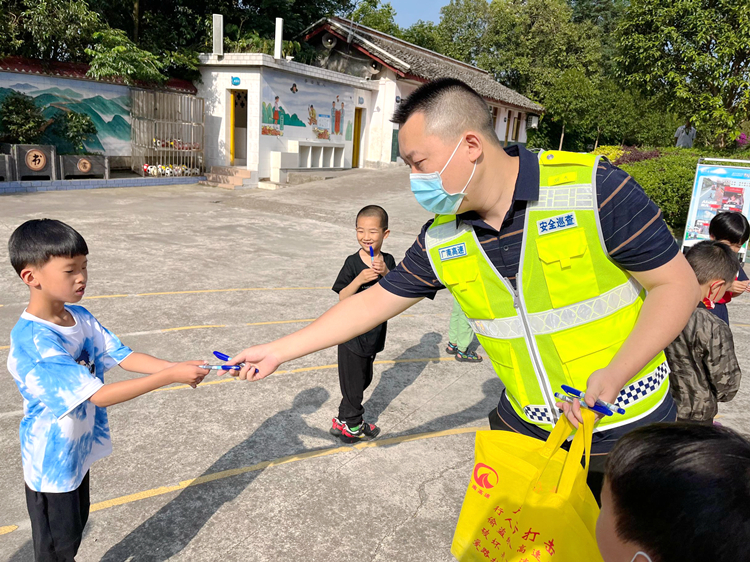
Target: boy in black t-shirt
(361, 271)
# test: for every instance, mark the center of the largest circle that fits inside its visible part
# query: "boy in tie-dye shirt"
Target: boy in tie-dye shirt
(58, 356)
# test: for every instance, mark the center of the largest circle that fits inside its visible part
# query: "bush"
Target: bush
(21, 121)
(78, 128)
(611, 153)
(668, 181)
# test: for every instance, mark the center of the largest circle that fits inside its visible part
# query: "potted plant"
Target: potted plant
(76, 129)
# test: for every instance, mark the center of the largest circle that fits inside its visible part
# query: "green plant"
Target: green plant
(21, 121)
(668, 181)
(611, 153)
(77, 129)
(116, 56)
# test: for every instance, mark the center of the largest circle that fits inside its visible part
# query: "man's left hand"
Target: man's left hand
(602, 384)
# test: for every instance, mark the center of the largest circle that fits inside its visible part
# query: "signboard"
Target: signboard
(717, 188)
(36, 160)
(235, 80)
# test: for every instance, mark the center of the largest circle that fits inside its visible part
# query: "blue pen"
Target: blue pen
(372, 255)
(221, 367)
(225, 357)
(596, 408)
(578, 394)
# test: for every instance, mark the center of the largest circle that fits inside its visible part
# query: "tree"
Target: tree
(530, 43)
(59, 29)
(77, 128)
(692, 54)
(114, 55)
(569, 101)
(21, 121)
(462, 29)
(423, 33)
(377, 15)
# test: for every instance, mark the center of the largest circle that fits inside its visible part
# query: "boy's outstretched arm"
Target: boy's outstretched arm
(188, 372)
(145, 364)
(349, 318)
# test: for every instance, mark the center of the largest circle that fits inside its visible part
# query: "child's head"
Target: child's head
(731, 228)
(372, 227)
(50, 257)
(715, 265)
(676, 492)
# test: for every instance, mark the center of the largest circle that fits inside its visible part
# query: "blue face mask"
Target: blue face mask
(430, 193)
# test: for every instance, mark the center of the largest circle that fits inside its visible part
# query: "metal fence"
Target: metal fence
(167, 133)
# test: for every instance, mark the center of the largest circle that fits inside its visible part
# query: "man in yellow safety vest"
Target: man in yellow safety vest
(563, 266)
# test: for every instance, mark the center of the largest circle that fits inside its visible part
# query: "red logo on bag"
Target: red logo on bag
(484, 476)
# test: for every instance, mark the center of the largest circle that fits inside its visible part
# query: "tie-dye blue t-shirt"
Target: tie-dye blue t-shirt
(57, 369)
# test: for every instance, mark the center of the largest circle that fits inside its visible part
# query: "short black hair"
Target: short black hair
(713, 260)
(36, 241)
(681, 491)
(451, 108)
(374, 211)
(730, 226)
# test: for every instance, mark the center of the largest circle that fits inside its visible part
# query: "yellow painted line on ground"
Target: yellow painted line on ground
(130, 498)
(228, 291)
(280, 322)
(8, 529)
(193, 327)
(196, 291)
(742, 325)
(208, 326)
(229, 378)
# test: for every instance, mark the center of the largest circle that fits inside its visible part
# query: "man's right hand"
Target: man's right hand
(259, 362)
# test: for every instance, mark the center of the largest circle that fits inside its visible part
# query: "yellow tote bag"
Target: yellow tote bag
(528, 500)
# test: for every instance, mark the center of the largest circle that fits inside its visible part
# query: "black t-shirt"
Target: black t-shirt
(372, 342)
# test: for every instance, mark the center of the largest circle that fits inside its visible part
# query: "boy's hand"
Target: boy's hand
(602, 384)
(259, 360)
(188, 372)
(378, 265)
(739, 287)
(367, 275)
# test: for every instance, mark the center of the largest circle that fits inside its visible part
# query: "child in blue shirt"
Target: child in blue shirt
(58, 356)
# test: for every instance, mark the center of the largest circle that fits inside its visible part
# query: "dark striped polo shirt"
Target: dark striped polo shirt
(635, 234)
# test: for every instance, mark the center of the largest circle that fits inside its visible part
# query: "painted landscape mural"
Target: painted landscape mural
(107, 105)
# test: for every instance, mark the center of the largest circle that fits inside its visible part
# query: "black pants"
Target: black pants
(57, 522)
(505, 418)
(355, 375)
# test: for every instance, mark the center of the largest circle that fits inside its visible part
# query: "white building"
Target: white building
(271, 116)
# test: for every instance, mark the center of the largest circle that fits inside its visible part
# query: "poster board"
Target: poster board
(720, 185)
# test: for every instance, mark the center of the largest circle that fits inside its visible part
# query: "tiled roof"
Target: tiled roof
(77, 71)
(423, 64)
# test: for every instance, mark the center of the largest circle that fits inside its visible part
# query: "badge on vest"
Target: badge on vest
(455, 251)
(561, 222)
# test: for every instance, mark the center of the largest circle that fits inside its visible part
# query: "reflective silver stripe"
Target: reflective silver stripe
(643, 387)
(585, 311)
(565, 197)
(561, 318)
(499, 328)
(444, 233)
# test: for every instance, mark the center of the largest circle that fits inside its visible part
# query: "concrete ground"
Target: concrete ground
(181, 271)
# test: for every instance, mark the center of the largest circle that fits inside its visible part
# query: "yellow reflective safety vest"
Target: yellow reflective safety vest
(573, 307)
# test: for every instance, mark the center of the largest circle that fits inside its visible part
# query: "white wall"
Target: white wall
(310, 90)
(215, 90)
